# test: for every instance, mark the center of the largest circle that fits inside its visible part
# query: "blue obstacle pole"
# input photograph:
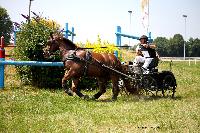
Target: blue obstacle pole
(73, 34)
(125, 35)
(23, 63)
(19, 63)
(118, 41)
(30, 63)
(15, 36)
(119, 35)
(69, 33)
(66, 30)
(149, 38)
(2, 74)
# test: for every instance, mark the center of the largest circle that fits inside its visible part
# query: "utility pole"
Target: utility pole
(130, 12)
(29, 10)
(184, 16)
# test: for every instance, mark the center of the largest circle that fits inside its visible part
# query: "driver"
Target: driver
(145, 52)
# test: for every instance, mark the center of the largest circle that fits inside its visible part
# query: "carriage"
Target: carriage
(78, 62)
(153, 83)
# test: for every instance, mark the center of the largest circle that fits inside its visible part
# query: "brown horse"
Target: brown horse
(78, 62)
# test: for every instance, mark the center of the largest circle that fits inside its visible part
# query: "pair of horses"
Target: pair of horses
(78, 63)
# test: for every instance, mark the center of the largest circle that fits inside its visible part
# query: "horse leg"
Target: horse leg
(115, 88)
(102, 87)
(66, 77)
(76, 88)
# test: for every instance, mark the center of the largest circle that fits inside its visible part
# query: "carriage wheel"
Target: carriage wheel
(122, 87)
(150, 87)
(169, 86)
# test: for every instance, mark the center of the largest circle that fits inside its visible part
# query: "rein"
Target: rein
(91, 60)
(79, 48)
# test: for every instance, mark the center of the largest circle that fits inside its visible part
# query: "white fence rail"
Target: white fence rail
(190, 60)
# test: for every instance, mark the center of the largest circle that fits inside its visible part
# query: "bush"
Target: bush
(30, 41)
(102, 47)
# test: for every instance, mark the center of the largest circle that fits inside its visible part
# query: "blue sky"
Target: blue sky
(93, 17)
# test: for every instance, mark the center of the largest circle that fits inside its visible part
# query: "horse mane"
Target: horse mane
(69, 43)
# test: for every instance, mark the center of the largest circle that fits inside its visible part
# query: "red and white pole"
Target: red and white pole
(2, 58)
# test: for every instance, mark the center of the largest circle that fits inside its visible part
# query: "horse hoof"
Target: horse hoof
(86, 97)
(69, 92)
(93, 98)
(114, 99)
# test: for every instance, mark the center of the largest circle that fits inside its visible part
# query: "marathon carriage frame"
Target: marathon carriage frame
(154, 83)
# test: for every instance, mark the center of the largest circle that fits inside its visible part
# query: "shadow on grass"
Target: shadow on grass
(108, 100)
(136, 98)
(149, 98)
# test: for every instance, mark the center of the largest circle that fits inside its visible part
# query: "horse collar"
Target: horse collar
(70, 56)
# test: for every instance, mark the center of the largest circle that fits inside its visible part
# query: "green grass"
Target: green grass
(28, 109)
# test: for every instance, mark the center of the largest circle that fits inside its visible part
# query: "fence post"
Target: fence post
(118, 41)
(15, 34)
(118, 36)
(189, 62)
(149, 38)
(2, 58)
(66, 30)
(72, 34)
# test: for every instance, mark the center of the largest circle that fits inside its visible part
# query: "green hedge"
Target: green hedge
(30, 41)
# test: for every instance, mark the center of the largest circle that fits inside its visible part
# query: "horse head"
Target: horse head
(58, 42)
(52, 45)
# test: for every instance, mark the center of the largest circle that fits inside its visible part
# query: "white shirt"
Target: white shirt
(145, 53)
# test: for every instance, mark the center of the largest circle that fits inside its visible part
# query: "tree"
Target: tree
(6, 25)
(193, 47)
(176, 45)
(162, 46)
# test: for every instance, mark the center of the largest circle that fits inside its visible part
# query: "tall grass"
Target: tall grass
(28, 109)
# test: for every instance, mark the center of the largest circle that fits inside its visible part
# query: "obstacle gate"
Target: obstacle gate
(66, 32)
(18, 63)
(119, 36)
(4, 62)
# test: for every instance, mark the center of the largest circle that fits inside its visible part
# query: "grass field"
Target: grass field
(28, 109)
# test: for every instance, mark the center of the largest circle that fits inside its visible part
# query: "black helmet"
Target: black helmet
(143, 37)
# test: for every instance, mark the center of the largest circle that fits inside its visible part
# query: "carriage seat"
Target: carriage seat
(139, 69)
(154, 63)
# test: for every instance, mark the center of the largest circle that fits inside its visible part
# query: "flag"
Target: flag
(145, 14)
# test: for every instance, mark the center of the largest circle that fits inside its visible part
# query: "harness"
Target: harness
(86, 60)
(89, 60)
